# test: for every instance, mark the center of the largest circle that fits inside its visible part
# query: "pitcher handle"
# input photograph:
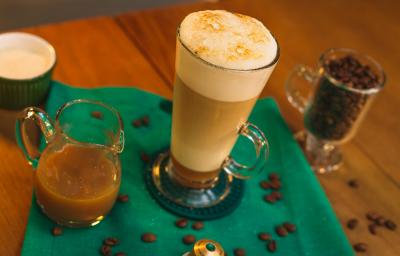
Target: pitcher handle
(257, 137)
(46, 126)
(293, 94)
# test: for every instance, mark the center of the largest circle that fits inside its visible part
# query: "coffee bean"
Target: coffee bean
(276, 184)
(145, 158)
(277, 195)
(271, 246)
(111, 241)
(360, 247)
(56, 231)
(181, 223)
(239, 252)
(390, 224)
(372, 216)
(264, 236)
(149, 237)
(281, 231)
(97, 114)
(123, 198)
(290, 227)
(146, 121)
(137, 123)
(105, 250)
(270, 199)
(189, 239)
(265, 184)
(380, 221)
(273, 176)
(198, 225)
(353, 183)
(372, 228)
(120, 254)
(352, 223)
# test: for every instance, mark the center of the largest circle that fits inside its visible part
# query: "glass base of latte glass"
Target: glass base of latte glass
(322, 156)
(163, 178)
(72, 223)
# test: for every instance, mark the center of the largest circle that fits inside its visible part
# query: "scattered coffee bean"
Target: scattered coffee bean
(273, 176)
(57, 231)
(360, 247)
(281, 231)
(372, 216)
(352, 223)
(189, 239)
(264, 236)
(265, 184)
(380, 221)
(290, 227)
(276, 184)
(120, 254)
(270, 199)
(111, 241)
(137, 123)
(271, 246)
(97, 114)
(123, 198)
(181, 223)
(198, 225)
(105, 250)
(239, 252)
(390, 224)
(372, 228)
(353, 183)
(146, 120)
(277, 195)
(149, 237)
(145, 157)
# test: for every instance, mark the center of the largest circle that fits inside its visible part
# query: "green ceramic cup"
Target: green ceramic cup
(26, 66)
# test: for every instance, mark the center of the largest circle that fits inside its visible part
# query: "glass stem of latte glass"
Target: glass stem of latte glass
(333, 111)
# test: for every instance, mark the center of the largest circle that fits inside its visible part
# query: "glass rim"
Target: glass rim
(334, 81)
(93, 102)
(273, 62)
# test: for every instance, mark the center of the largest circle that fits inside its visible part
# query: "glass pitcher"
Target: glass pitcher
(78, 173)
(334, 110)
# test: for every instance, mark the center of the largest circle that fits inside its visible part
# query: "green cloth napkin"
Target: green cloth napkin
(304, 202)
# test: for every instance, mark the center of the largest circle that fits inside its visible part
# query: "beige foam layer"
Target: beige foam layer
(216, 83)
(222, 82)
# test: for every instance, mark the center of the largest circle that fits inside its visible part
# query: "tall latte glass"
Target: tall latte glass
(223, 61)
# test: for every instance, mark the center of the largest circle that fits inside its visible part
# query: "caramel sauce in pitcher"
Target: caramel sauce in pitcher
(77, 185)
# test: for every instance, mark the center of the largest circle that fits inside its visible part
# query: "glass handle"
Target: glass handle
(45, 124)
(256, 136)
(293, 93)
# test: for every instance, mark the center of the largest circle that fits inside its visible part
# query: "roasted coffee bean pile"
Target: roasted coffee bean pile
(143, 121)
(107, 246)
(375, 221)
(335, 108)
(274, 183)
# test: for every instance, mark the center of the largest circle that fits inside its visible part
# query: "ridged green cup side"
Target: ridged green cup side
(18, 94)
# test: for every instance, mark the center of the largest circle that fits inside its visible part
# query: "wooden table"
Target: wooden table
(138, 49)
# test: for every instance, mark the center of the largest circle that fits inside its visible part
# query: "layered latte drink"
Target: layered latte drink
(223, 61)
